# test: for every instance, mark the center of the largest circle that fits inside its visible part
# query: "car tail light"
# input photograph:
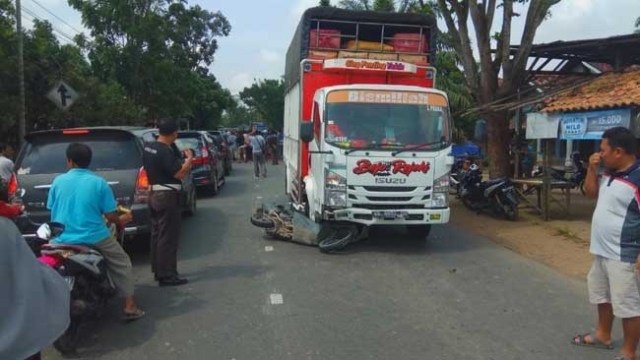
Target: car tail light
(13, 185)
(203, 159)
(142, 187)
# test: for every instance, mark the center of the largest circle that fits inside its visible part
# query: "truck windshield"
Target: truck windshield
(371, 125)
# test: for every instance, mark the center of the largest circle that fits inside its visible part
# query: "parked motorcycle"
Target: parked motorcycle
(575, 177)
(458, 171)
(85, 272)
(497, 195)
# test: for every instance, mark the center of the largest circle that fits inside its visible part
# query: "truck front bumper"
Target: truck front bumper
(389, 217)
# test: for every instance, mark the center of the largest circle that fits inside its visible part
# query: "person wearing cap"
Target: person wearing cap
(165, 170)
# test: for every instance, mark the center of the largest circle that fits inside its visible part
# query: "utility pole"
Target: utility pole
(21, 115)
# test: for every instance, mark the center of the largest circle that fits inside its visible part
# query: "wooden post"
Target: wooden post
(546, 181)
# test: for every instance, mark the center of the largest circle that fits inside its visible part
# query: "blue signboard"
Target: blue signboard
(590, 125)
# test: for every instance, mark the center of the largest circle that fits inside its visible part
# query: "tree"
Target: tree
(266, 98)
(482, 79)
(384, 6)
(325, 3)
(158, 50)
(637, 25)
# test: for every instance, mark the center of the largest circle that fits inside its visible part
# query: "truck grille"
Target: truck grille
(388, 206)
(389, 188)
(380, 198)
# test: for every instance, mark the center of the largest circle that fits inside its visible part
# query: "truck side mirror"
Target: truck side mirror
(306, 131)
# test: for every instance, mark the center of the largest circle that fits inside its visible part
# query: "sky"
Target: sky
(262, 29)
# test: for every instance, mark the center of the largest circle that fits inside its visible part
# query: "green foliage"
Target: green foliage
(384, 6)
(325, 3)
(146, 59)
(266, 99)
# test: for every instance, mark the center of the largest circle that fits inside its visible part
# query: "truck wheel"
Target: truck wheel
(419, 231)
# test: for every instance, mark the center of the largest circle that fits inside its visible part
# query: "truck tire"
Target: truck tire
(419, 231)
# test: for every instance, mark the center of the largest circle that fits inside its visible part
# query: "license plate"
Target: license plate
(390, 215)
(70, 280)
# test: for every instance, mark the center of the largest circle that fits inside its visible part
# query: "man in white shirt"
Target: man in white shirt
(614, 281)
(258, 145)
(6, 165)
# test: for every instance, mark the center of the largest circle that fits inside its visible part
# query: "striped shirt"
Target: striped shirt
(615, 227)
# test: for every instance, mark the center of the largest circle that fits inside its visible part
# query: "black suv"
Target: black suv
(117, 156)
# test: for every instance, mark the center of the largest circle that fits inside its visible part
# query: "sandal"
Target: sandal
(132, 316)
(621, 357)
(580, 340)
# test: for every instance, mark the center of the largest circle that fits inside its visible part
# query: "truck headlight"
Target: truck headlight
(440, 198)
(335, 189)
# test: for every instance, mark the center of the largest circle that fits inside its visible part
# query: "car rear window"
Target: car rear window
(193, 142)
(47, 154)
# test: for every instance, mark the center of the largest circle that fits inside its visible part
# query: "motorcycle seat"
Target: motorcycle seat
(74, 248)
(491, 182)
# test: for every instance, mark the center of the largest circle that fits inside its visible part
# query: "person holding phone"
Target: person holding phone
(613, 281)
(166, 169)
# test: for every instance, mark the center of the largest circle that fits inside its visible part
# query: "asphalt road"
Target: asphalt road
(455, 296)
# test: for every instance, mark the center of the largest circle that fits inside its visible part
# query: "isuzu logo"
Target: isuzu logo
(387, 168)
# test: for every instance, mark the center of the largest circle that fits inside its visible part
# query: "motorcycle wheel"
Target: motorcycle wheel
(335, 238)
(67, 343)
(511, 212)
(262, 222)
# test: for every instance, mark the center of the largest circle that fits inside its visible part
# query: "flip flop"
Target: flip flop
(579, 340)
(132, 316)
(621, 357)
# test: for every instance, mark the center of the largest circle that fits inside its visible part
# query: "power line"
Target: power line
(36, 16)
(60, 38)
(56, 16)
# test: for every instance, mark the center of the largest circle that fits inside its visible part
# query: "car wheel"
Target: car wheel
(215, 187)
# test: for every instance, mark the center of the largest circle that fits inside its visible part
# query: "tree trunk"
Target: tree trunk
(498, 139)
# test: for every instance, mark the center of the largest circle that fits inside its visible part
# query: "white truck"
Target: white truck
(367, 137)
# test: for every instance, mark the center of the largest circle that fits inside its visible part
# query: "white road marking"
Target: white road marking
(268, 248)
(276, 299)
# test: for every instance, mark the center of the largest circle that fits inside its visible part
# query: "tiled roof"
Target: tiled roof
(610, 90)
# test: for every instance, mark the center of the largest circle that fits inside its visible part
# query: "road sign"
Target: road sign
(62, 95)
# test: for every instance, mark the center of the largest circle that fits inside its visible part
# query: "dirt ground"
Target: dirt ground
(561, 243)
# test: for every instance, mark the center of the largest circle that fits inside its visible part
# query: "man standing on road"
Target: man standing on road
(81, 200)
(614, 282)
(165, 170)
(6, 165)
(258, 146)
(272, 142)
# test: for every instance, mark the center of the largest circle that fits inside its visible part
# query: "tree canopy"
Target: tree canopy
(143, 60)
(265, 98)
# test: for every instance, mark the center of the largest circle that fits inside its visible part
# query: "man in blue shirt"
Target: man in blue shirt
(81, 200)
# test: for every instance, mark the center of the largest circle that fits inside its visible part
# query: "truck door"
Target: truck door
(316, 165)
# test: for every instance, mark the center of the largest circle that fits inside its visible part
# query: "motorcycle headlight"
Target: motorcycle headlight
(335, 189)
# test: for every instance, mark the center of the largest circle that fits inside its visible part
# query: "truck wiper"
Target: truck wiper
(417, 147)
(374, 146)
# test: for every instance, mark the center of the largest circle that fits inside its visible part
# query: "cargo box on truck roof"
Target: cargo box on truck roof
(325, 33)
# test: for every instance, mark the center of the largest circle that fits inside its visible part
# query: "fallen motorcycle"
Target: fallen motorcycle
(285, 223)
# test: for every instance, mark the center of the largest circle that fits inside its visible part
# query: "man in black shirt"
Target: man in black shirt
(165, 170)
